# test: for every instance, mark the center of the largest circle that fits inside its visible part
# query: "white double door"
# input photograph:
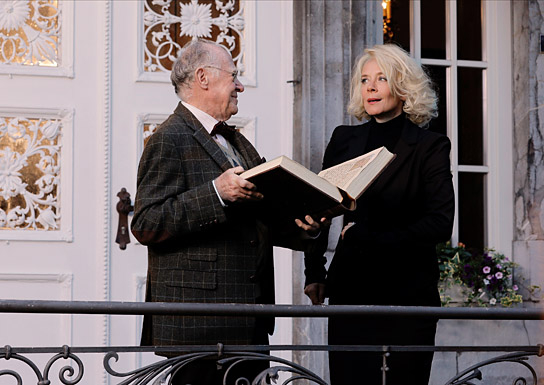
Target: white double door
(110, 101)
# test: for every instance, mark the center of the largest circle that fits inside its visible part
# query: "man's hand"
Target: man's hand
(233, 188)
(311, 226)
(316, 293)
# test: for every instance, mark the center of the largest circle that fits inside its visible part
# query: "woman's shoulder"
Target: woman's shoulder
(346, 131)
(425, 135)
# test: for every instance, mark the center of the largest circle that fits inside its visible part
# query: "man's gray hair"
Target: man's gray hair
(197, 53)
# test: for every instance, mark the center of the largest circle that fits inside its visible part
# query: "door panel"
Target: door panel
(97, 87)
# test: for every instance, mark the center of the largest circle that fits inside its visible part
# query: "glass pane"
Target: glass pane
(433, 29)
(396, 22)
(470, 130)
(438, 76)
(471, 210)
(469, 30)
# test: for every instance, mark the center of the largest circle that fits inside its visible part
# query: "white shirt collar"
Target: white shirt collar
(207, 121)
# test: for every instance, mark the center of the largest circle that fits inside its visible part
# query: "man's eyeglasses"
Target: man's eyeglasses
(234, 73)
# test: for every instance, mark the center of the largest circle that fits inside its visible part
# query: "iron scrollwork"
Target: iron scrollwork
(474, 372)
(43, 379)
(161, 372)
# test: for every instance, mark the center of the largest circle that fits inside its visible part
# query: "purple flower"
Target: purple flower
(486, 269)
(489, 276)
(515, 288)
(499, 266)
(498, 275)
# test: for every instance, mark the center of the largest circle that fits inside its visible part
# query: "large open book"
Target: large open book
(291, 190)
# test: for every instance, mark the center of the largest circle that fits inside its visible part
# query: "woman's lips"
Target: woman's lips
(373, 100)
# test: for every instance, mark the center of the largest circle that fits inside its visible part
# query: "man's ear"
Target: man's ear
(201, 78)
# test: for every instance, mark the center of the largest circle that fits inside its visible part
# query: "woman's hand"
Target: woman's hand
(316, 293)
(346, 228)
(311, 226)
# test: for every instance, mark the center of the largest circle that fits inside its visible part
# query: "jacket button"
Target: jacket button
(253, 279)
(253, 242)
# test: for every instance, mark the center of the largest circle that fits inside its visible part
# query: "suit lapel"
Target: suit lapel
(246, 149)
(203, 137)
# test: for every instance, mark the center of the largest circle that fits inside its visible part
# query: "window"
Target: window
(455, 42)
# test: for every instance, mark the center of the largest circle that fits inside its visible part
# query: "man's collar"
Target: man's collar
(205, 119)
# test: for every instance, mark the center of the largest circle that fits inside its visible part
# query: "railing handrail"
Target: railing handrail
(311, 311)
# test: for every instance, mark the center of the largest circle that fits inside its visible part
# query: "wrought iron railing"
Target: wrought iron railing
(160, 372)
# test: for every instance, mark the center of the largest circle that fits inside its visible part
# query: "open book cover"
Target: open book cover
(291, 190)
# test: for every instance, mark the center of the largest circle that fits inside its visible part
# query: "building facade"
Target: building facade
(84, 83)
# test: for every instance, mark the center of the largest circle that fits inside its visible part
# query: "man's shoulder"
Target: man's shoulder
(175, 125)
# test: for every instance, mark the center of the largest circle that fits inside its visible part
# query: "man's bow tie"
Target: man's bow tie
(225, 130)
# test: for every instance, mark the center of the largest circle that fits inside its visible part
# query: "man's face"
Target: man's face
(223, 87)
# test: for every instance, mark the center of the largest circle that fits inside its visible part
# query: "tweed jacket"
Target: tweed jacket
(388, 257)
(198, 250)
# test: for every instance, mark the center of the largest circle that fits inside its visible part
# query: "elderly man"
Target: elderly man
(197, 216)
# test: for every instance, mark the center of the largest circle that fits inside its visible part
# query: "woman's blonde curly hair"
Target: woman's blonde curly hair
(406, 80)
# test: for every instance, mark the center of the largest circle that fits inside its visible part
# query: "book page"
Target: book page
(343, 174)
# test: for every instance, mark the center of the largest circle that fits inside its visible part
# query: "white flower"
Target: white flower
(15, 217)
(149, 18)
(46, 183)
(50, 129)
(15, 128)
(486, 281)
(13, 14)
(493, 301)
(47, 219)
(196, 19)
(10, 165)
(41, 46)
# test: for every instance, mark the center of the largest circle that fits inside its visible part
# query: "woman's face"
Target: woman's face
(377, 98)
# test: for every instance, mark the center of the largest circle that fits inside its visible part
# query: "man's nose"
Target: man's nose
(239, 86)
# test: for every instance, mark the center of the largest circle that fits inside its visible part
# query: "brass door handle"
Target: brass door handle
(124, 207)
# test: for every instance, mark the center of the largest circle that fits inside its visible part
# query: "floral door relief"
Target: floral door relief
(169, 25)
(29, 32)
(31, 169)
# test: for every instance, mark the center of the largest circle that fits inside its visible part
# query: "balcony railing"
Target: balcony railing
(160, 372)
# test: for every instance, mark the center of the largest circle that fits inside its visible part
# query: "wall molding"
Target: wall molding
(65, 283)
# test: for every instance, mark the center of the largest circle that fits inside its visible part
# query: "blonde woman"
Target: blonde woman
(386, 252)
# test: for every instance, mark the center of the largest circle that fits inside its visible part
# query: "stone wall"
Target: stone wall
(528, 111)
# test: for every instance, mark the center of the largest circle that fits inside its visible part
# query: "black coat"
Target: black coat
(389, 257)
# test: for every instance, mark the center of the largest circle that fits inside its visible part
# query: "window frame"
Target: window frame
(496, 64)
